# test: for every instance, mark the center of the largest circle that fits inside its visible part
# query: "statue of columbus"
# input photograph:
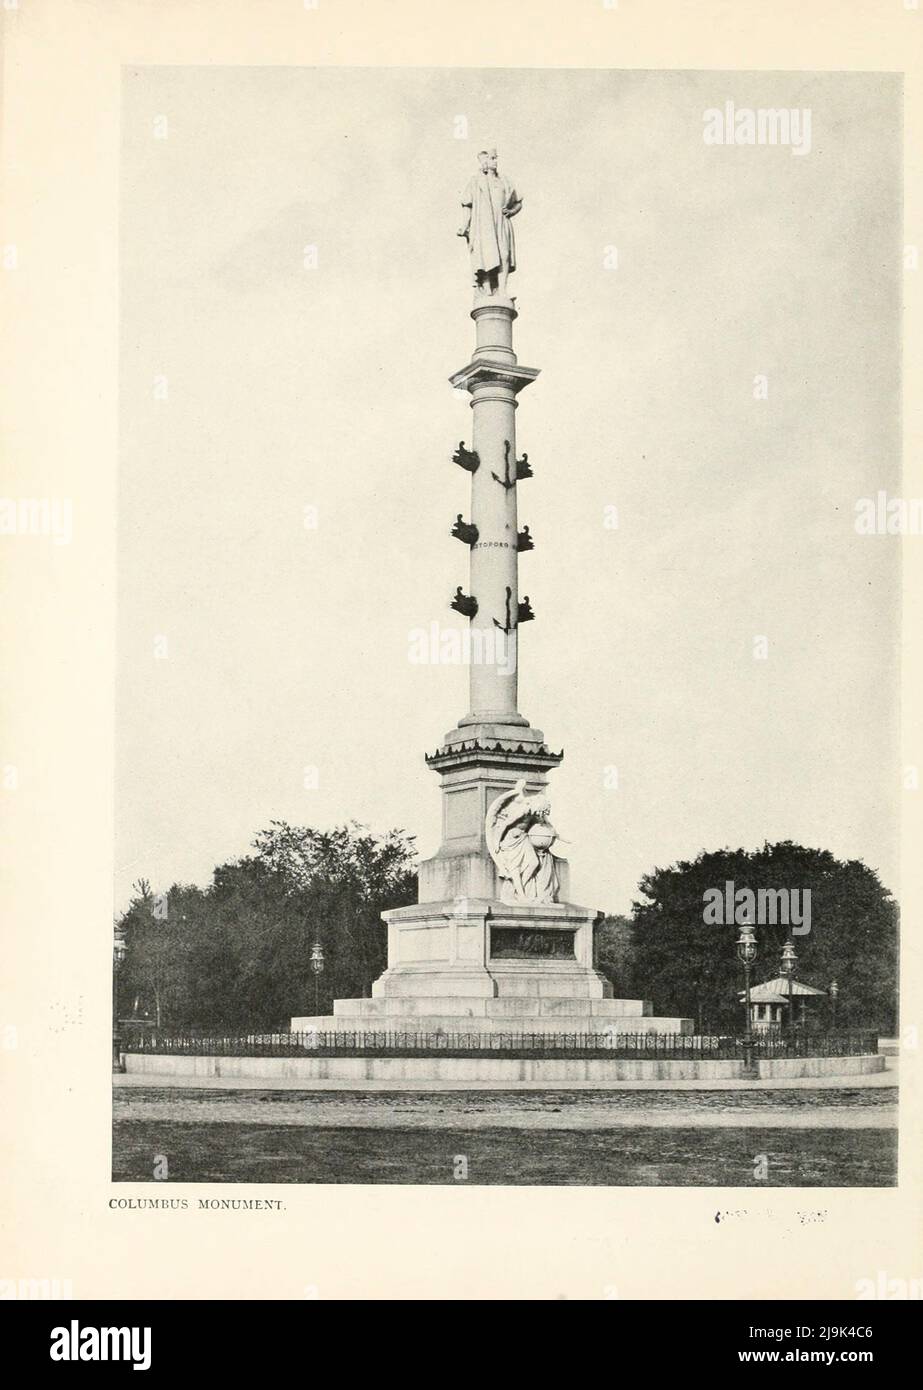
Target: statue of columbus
(491, 202)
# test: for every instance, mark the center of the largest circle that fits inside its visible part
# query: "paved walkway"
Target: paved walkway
(887, 1078)
(419, 1112)
(812, 1103)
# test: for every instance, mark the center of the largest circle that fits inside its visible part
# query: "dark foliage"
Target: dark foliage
(237, 954)
(665, 952)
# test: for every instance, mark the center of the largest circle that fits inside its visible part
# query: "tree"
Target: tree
(153, 978)
(688, 967)
(236, 955)
(340, 882)
(616, 955)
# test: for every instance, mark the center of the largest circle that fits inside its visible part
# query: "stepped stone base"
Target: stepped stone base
(449, 971)
(552, 1024)
(501, 1009)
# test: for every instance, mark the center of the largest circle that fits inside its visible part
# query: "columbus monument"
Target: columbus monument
(494, 944)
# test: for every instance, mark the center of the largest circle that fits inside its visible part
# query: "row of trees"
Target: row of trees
(236, 955)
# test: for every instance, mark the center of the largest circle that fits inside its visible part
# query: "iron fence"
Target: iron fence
(656, 1046)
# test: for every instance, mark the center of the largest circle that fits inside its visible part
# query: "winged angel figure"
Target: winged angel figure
(519, 838)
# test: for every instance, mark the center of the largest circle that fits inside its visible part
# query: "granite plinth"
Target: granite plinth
(450, 969)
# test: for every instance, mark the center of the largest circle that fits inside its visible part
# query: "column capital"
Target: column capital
(483, 373)
(528, 759)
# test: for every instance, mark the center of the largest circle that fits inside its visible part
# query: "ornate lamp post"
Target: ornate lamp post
(317, 965)
(788, 968)
(119, 952)
(746, 954)
(834, 991)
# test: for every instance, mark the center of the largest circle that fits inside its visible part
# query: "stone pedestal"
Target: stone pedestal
(474, 769)
(480, 966)
(493, 949)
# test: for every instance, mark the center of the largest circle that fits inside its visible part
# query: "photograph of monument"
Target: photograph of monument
(494, 943)
(710, 288)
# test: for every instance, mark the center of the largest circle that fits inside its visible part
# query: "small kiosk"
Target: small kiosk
(769, 1001)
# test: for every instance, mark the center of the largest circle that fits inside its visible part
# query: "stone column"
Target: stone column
(494, 379)
(494, 560)
(493, 746)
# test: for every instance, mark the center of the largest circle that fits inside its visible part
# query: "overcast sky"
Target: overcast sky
(290, 387)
